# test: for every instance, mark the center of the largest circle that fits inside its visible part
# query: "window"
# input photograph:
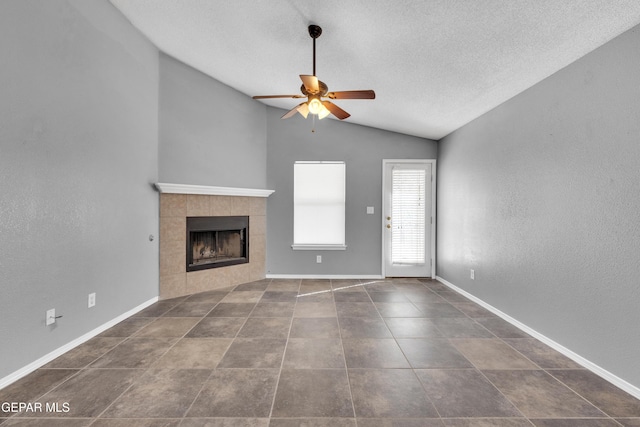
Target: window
(318, 205)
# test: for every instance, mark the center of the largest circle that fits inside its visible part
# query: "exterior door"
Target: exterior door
(408, 218)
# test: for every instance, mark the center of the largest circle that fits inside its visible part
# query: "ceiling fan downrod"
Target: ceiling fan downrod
(314, 31)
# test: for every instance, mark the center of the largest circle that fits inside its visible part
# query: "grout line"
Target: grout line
(332, 290)
(580, 395)
(284, 354)
(152, 365)
(344, 354)
(204, 384)
(413, 370)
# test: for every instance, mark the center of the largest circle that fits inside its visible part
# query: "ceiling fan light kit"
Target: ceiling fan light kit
(314, 90)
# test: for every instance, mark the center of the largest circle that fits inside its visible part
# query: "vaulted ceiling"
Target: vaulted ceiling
(435, 65)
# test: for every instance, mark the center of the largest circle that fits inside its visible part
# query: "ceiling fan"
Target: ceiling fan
(314, 90)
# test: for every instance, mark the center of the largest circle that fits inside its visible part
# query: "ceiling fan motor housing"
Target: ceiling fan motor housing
(323, 89)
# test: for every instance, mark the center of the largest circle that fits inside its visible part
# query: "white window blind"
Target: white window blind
(319, 205)
(408, 216)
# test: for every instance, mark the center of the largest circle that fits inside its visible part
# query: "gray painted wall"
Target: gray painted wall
(362, 148)
(78, 154)
(210, 134)
(541, 197)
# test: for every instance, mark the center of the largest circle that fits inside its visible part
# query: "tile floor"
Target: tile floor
(318, 353)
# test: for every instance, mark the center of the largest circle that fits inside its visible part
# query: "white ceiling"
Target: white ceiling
(435, 65)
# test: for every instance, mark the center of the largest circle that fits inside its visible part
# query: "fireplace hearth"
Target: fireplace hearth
(217, 241)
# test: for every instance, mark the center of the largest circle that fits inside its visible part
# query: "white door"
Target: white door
(408, 222)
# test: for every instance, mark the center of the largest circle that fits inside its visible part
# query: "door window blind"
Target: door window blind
(408, 216)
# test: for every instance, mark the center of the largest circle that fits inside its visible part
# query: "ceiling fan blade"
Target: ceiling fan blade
(278, 96)
(295, 110)
(310, 83)
(335, 110)
(303, 109)
(352, 94)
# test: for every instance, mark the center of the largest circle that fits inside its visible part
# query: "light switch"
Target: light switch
(370, 210)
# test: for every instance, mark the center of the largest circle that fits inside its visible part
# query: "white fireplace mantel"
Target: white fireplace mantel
(211, 191)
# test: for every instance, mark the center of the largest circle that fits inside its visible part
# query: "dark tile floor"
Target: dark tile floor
(318, 353)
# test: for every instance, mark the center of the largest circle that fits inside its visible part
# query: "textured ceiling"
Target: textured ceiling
(435, 64)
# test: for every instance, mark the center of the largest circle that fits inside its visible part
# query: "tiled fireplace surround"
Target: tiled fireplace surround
(174, 210)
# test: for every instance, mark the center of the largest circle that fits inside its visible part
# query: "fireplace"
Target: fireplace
(217, 241)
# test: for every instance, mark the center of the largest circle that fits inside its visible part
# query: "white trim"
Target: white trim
(434, 199)
(433, 163)
(613, 379)
(321, 162)
(324, 276)
(318, 247)
(25, 370)
(211, 191)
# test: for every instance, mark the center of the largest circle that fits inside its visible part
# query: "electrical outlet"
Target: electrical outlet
(473, 274)
(50, 318)
(92, 299)
(319, 259)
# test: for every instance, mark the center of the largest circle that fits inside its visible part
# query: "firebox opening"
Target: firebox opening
(216, 242)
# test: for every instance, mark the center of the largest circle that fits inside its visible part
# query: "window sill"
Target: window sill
(300, 247)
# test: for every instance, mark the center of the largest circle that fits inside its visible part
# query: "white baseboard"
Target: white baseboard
(613, 379)
(15, 376)
(324, 276)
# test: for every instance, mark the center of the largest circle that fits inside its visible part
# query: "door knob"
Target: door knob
(388, 218)
(388, 225)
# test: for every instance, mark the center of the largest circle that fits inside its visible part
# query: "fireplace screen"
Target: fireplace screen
(216, 242)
